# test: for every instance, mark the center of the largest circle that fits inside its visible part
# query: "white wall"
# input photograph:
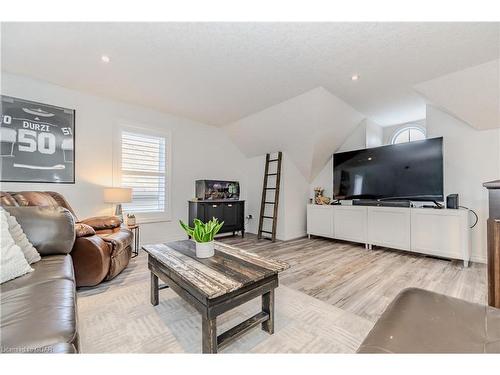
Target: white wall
(471, 94)
(295, 190)
(198, 151)
(324, 180)
(356, 140)
(309, 127)
(471, 157)
(374, 134)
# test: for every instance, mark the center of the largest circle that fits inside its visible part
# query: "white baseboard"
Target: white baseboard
(479, 259)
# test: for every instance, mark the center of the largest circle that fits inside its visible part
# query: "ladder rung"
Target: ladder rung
(270, 188)
(268, 217)
(269, 202)
(271, 174)
(273, 160)
(265, 231)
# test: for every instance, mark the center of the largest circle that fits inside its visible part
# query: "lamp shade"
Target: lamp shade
(117, 195)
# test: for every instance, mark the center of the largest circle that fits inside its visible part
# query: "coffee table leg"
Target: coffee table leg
(154, 289)
(268, 307)
(209, 335)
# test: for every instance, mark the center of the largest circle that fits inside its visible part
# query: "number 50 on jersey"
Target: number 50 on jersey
(37, 142)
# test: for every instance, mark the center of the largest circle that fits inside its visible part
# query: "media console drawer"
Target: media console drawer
(350, 223)
(389, 226)
(440, 232)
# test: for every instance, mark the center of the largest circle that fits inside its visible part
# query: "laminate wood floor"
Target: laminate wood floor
(330, 298)
(364, 282)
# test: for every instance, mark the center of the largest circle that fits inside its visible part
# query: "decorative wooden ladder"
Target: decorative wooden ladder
(264, 203)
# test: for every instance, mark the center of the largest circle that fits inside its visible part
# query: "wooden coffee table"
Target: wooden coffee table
(215, 285)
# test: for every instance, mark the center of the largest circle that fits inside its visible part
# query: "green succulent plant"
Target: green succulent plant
(203, 232)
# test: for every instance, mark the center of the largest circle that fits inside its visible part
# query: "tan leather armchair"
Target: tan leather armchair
(102, 247)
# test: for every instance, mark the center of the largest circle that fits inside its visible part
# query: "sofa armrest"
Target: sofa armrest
(83, 230)
(91, 260)
(118, 239)
(51, 230)
(102, 222)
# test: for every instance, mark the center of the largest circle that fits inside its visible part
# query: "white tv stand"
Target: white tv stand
(437, 232)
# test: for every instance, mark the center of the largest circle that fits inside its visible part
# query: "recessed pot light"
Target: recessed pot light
(105, 59)
(354, 77)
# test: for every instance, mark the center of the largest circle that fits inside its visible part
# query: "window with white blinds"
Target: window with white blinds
(143, 170)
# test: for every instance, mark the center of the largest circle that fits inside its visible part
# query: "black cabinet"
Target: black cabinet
(232, 213)
(213, 210)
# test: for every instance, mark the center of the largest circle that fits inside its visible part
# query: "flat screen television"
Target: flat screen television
(406, 171)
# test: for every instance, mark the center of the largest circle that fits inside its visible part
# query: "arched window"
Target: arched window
(408, 134)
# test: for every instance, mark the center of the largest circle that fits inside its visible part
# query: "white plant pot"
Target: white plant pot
(205, 249)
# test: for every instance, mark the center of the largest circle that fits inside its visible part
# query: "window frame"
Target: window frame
(408, 128)
(145, 217)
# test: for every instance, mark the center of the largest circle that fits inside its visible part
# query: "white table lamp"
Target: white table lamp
(118, 196)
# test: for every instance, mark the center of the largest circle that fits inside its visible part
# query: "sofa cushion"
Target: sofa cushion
(51, 230)
(20, 239)
(103, 222)
(38, 315)
(420, 321)
(34, 198)
(6, 199)
(51, 267)
(83, 230)
(12, 261)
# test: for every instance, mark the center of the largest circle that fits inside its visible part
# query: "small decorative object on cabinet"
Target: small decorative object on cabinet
(136, 231)
(203, 234)
(130, 220)
(319, 198)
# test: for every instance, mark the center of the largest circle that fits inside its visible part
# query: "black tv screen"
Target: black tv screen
(412, 170)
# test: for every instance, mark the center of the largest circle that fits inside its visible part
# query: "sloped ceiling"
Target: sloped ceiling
(472, 94)
(308, 127)
(220, 72)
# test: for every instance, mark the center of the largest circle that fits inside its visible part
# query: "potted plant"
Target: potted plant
(203, 234)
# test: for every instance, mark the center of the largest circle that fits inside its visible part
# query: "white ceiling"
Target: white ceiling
(472, 95)
(308, 127)
(217, 73)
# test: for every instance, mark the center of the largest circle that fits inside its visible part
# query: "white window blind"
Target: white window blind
(143, 170)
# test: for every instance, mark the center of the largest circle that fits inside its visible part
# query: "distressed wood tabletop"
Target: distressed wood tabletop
(229, 269)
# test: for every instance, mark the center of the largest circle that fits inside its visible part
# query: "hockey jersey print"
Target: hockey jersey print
(36, 142)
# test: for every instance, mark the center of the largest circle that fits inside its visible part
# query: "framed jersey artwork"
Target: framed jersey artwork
(37, 142)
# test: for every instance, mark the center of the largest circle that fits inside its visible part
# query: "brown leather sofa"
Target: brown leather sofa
(38, 310)
(420, 321)
(102, 247)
